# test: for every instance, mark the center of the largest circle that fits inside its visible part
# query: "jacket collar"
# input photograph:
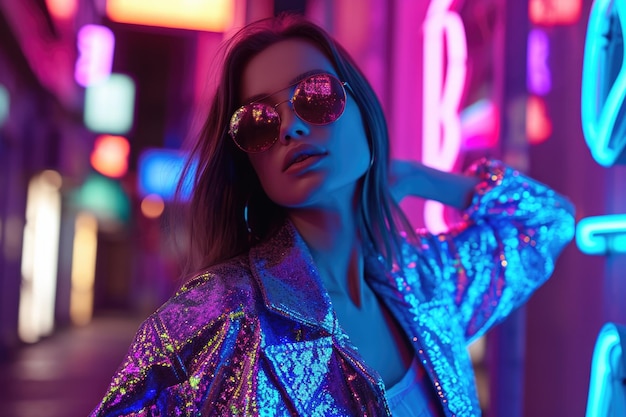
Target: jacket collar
(290, 283)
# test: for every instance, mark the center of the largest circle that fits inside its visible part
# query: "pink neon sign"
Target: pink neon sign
(95, 54)
(479, 125)
(445, 69)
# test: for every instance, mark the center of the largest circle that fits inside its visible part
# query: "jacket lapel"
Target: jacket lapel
(289, 281)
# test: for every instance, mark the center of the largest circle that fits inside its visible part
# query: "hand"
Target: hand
(416, 179)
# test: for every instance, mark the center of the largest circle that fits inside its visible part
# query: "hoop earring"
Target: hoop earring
(245, 217)
(252, 237)
(372, 156)
(365, 195)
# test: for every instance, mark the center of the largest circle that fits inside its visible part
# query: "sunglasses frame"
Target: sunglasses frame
(231, 133)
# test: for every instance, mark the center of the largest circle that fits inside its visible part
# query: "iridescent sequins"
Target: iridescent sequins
(257, 335)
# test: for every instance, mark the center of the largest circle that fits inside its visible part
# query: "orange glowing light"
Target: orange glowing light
(110, 155)
(152, 206)
(208, 15)
(538, 124)
(62, 9)
(554, 12)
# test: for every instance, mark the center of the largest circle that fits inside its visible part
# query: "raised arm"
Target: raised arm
(411, 178)
(512, 231)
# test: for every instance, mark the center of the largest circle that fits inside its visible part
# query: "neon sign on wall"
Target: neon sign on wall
(604, 82)
(607, 392)
(602, 235)
(604, 124)
(445, 69)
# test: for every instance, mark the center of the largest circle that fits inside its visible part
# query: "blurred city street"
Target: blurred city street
(66, 374)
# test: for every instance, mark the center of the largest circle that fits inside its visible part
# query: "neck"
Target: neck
(334, 240)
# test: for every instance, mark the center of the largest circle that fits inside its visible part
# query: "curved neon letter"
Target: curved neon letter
(604, 82)
(445, 68)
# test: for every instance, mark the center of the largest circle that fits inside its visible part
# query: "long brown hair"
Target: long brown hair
(225, 181)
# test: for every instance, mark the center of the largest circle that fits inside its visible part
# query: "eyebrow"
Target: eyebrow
(260, 97)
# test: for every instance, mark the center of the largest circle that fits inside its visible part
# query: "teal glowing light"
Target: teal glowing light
(604, 83)
(607, 392)
(110, 104)
(601, 235)
(4, 104)
(104, 197)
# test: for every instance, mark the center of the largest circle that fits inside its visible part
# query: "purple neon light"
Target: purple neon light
(539, 77)
(95, 54)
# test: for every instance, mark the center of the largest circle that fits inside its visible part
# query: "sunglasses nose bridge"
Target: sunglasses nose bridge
(289, 100)
(284, 115)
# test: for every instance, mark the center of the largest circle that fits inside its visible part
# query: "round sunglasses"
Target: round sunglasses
(319, 99)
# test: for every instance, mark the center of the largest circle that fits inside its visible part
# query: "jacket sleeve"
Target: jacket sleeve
(182, 356)
(504, 248)
(145, 374)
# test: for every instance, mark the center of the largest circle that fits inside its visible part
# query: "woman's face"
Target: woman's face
(335, 155)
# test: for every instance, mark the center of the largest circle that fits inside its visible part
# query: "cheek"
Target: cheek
(352, 137)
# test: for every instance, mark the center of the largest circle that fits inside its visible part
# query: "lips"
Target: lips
(301, 154)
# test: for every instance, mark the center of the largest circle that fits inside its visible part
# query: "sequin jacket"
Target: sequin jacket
(257, 336)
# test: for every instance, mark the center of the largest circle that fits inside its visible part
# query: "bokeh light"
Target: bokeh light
(152, 206)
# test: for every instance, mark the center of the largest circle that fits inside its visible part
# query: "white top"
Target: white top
(407, 397)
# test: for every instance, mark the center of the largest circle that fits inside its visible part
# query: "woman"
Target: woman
(313, 295)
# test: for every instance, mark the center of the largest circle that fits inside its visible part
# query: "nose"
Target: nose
(291, 126)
